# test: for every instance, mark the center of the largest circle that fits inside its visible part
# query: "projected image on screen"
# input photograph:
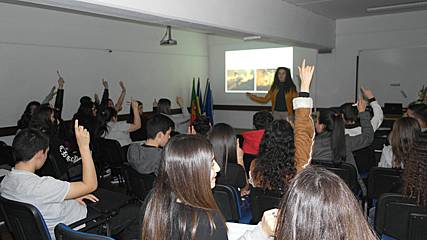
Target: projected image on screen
(253, 70)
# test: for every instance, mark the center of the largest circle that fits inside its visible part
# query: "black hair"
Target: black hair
(224, 141)
(349, 112)
(262, 119)
(289, 83)
(275, 166)
(334, 123)
(164, 106)
(102, 118)
(85, 99)
(27, 143)
(202, 125)
(41, 120)
(158, 123)
(28, 113)
(420, 111)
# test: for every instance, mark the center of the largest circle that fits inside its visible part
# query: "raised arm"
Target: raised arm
(50, 96)
(264, 99)
(59, 101)
(378, 117)
(105, 94)
(119, 103)
(367, 136)
(136, 117)
(89, 182)
(304, 126)
(184, 109)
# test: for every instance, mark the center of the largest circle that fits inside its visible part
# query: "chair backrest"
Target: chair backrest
(347, 172)
(393, 217)
(263, 200)
(64, 232)
(24, 221)
(383, 180)
(138, 184)
(365, 159)
(227, 202)
(417, 226)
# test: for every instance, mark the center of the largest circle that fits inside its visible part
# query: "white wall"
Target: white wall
(273, 19)
(338, 70)
(35, 42)
(217, 48)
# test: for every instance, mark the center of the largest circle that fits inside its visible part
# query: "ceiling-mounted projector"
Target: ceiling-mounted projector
(167, 38)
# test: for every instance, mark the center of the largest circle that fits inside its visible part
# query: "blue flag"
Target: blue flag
(208, 101)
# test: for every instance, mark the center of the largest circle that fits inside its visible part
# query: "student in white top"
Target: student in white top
(401, 138)
(350, 114)
(58, 201)
(113, 129)
(182, 120)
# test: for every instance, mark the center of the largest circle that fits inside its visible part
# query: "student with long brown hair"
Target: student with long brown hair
(319, 205)
(181, 205)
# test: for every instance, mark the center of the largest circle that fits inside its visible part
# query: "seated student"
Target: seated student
(111, 128)
(252, 138)
(181, 205)
(228, 154)
(55, 199)
(291, 149)
(401, 138)
(419, 112)
(145, 158)
(182, 120)
(317, 205)
(332, 145)
(64, 156)
(32, 106)
(350, 113)
(275, 166)
(202, 125)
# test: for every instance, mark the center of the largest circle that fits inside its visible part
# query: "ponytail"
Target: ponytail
(334, 123)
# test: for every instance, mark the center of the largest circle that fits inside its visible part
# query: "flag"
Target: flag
(199, 96)
(195, 106)
(208, 102)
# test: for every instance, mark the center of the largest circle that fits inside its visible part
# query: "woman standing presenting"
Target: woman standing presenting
(281, 93)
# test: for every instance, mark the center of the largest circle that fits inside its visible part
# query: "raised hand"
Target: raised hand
(155, 104)
(105, 83)
(134, 104)
(180, 101)
(82, 135)
(60, 80)
(367, 92)
(361, 105)
(90, 197)
(306, 75)
(191, 130)
(122, 86)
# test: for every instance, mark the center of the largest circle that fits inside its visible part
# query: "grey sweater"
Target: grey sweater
(144, 159)
(322, 148)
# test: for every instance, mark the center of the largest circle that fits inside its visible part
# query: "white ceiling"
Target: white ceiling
(337, 9)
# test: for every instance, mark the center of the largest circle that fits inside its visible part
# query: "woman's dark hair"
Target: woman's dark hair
(334, 123)
(319, 205)
(349, 112)
(202, 125)
(223, 139)
(289, 83)
(103, 117)
(402, 138)
(164, 106)
(41, 120)
(184, 175)
(130, 118)
(26, 116)
(419, 111)
(262, 119)
(415, 172)
(275, 166)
